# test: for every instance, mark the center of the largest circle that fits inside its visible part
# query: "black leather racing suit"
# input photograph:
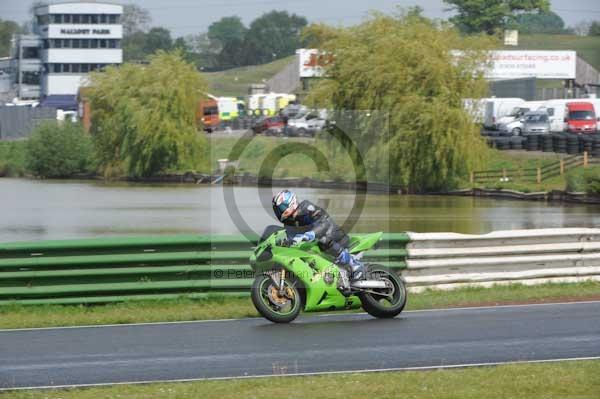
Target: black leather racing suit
(330, 237)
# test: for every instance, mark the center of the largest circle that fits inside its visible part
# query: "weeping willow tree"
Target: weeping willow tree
(417, 72)
(144, 117)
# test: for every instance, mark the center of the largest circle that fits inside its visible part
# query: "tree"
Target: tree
(407, 68)
(227, 35)
(205, 52)
(133, 47)
(540, 22)
(226, 29)
(144, 117)
(135, 19)
(582, 28)
(594, 29)
(490, 16)
(7, 30)
(157, 39)
(273, 35)
(182, 45)
(58, 150)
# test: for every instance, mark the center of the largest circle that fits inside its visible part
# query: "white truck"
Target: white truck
(496, 108)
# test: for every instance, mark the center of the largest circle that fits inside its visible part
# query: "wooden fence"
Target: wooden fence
(536, 175)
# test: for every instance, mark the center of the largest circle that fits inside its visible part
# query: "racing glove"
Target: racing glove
(308, 236)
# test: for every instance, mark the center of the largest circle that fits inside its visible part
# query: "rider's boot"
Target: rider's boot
(356, 268)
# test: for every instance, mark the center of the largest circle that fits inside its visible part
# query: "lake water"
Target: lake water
(39, 210)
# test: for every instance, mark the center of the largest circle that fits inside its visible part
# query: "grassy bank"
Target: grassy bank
(19, 316)
(576, 379)
(296, 164)
(521, 160)
(234, 82)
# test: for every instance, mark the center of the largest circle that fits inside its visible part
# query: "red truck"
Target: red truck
(580, 117)
(208, 113)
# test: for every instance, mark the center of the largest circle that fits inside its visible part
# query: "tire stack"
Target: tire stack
(560, 143)
(587, 144)
(516, 143)
(572, 144)
(532, 143)
(547, 143)
(596, 146)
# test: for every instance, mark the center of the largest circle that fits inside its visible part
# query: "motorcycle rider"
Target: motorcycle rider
(321, 227)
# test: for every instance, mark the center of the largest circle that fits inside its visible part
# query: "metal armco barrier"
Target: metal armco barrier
(450, 260)
(118, 269)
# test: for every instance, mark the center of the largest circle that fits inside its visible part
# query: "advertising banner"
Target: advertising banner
(516, 64)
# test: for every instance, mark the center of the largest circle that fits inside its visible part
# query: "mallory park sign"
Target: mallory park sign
(85, 31)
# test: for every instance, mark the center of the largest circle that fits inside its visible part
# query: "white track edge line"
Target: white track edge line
(307, 374)
(316, 314)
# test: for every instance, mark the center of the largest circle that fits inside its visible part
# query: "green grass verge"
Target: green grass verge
(24, 316)
(234, 82)
(520, 160)
(296, 164)
(565, 380)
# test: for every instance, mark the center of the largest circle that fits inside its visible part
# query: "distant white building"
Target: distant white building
(71, 39)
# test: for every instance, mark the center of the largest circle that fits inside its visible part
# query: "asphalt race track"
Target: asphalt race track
(312, 344)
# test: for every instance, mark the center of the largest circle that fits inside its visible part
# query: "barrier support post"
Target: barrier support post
(539, 175)
(562, 167)
(585, 159)
(472, 178)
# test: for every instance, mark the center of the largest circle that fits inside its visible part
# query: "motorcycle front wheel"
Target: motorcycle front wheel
(388, 302)
(272, 304)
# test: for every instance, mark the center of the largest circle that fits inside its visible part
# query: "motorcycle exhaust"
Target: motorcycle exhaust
(368, 284)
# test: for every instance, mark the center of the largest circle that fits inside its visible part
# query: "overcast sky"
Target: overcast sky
(184, 17)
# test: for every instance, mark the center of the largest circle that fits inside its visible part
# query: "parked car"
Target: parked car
(511, 124)
(536, 122)
(263, 124)
(580, 117)
(292, 110)
(307, 124)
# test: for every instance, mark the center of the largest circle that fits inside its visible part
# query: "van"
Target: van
(228, 108)
(518, 111)
(496, 108)
(207, 114)
(475, 107)
(580, 117)
(556, 110)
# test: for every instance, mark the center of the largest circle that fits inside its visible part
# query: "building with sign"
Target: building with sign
(71, 39)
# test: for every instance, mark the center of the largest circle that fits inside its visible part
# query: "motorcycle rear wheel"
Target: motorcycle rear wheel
(272, 306)
(383, 306)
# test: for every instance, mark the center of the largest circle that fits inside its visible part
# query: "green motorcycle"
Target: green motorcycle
(293, 277)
